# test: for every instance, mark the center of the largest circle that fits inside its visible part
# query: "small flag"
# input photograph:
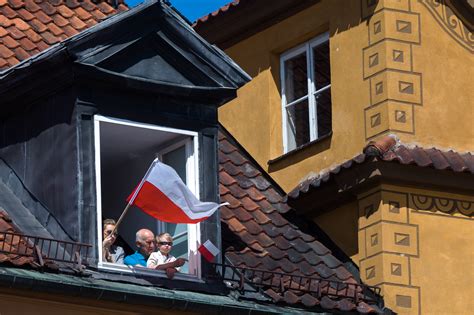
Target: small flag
(209, 251)
(163, 195)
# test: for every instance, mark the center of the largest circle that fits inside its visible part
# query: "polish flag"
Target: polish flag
(209, 251)
(163, 195)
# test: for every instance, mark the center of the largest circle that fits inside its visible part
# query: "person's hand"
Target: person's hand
(179, 262)
(108, 241)
(170, 272)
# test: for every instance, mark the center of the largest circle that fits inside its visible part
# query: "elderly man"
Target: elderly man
(145, 241)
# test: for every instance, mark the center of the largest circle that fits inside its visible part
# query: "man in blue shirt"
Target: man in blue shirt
(145, 241)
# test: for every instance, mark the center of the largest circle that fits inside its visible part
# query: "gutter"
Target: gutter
(59, 284)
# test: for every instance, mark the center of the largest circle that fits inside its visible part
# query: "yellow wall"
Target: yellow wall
(413, 246)
(427, 95)
(344, 233)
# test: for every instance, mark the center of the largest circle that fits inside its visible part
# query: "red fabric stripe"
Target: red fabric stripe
(206, 253)
(152, 200)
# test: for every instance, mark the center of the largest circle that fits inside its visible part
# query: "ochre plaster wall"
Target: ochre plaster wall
(395, 69)
(418, 246)
(14, 303)
(341, 225)
(255, 117)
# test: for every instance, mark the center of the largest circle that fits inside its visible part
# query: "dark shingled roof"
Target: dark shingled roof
(387, 150)
(256, 216)
(28, 27)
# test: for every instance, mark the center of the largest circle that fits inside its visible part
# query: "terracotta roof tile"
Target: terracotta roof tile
(59, 20)
(44, 23)
(219, 11)
(49, 38)
(20, 53)
(16, 244)
(25, 15)
(9, 42)
(5, 53)
(15, 33)
(38, 26)
(256, 217)
(404, 154)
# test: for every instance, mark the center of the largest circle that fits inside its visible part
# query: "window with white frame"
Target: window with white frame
(123, 152)
(306, 92)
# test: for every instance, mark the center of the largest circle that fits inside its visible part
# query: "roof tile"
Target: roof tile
(77, 23)
(59, 20)
(38, 26)
(401, 153)
(27, 44)
(9, 42)
(5, 52)
(15, 32)
(25, 15)
(31, 6)
(54, 29)
(8, 12)
(43, 17)
(47, 8)
(82, 14)
(20, 53)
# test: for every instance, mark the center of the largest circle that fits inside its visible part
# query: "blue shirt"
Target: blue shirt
(135, 259)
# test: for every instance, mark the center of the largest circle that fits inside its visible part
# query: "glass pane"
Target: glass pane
(177, 160)
(180, 248)
(298, 124)
(296, 80)
(323, 101)
(321, 64)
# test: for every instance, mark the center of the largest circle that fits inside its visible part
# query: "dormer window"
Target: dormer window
(124, 151)
(306, 93)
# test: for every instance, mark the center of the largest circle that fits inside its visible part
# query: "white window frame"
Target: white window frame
(192, 168)
(312, 92)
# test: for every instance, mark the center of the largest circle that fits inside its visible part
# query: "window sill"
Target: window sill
(142, 271)
(299, 149)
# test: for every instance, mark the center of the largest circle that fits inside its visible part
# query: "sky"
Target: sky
(191, 9)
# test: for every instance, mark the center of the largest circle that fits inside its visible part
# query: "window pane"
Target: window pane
(298, 124)
(323, 103)
(296, 80)
(322, 73)
(177, 160)
(180, 243)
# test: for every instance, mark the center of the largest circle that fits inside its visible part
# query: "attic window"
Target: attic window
(306, 93)
(124, 151)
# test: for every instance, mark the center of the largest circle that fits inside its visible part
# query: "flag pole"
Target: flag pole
(135, 193)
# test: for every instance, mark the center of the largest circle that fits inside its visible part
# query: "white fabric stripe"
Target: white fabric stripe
(168, 181)
(211, 248)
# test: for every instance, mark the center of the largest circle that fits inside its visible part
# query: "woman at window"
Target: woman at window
(110, 252)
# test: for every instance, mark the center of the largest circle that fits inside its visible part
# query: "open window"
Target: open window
(124, 150)
(306, 93)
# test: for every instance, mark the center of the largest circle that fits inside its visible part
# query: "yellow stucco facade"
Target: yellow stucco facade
(396, 67)
(416, 244)
(403, 67)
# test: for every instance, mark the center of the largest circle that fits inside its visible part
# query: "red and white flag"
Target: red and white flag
(209, 251)
(163, 195)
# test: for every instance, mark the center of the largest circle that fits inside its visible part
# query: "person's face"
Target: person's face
(108, 229)
(164, 245)
(146, 244)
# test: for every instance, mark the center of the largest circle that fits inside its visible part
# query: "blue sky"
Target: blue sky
(192, 9)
